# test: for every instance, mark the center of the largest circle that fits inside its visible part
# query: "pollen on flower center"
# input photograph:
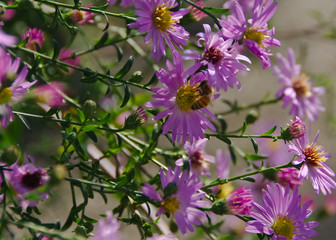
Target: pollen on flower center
(162, 19)
(302, 86)
(284, 227)
(254, 35)
(213, 55)
(186, 96)
(31, 180)
(170, 204)
(5, 96)
(314, 156)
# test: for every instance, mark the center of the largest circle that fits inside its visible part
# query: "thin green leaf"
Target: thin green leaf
(233, 155)
(243, 128)
(254, 157)
(254, 144)
(101, 41)
(105, 120)
(56, 49)
(224, 139)
(249, 179)
(269, 132)
(120, 52)
(51, 112)
(125, 69)
(126, 96)
(216, 10)
(89, 128)
(152, 81)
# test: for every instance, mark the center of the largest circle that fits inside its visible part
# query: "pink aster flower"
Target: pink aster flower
(289, 176)
(198, 159)
(83, 17)
(6, 39)
(240, 201)
(295, 130)
(27, 178)
(161, 24)
(298, 90)
(108, 228)
(66, 56)
(220, 57)
(313, 158)
(49, 94)
(255, 35)
(14, 93)
(282, 215)
(181, 199)
(35, 38)
(181, 98)
(9, 13)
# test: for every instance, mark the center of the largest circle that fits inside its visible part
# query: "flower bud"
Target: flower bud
(10, 155)
(136, 119)
(294, 131)
(58, 173)
(251, 117)
(219, 207)
(89, 108)
(136, 77)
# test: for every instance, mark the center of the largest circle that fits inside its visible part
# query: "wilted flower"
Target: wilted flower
(83, 17)
(282, 215)
(108, 228)
(161, 24)
(27, 178)
(298, 90)
(289, 176)
(199, 160)
(181, 198)
(196, 14)
(35, 38)
(240, 201)
(313, 158)
(181, 98)
(256, 37)
(220, 57)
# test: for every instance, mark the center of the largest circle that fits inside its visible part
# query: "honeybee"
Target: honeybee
(205, 94)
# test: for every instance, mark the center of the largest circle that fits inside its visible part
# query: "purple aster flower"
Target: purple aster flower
(161, 24)
(15, 91)
(108, 228)
(282, 215)
(240, 201)
(27, 178)
(185, 102)
(255, 36)
(298, 90)
(83, 17)
(198, 159)
(35, 38)
(181, 199)
(221, 58)
(6, 39)
(313, 158)
(289, 176)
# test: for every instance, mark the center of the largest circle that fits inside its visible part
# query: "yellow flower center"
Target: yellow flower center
(162, 19)
(254, 35)
(314, 155)
(302, 86)
(5, 96)
(284, 227)
(170, 204)
(186, 96)
(225, 190)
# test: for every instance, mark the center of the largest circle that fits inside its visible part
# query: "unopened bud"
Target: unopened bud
(251, 117)
(295, 130)
(58, 173)
(219, 207)
(136, 77)
(89, 108)
(10, 155)
(136, 119)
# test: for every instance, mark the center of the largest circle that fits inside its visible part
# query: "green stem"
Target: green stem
(59, 4)
(207, 135)
(102, 76)
(241, 177)
(253, 105)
